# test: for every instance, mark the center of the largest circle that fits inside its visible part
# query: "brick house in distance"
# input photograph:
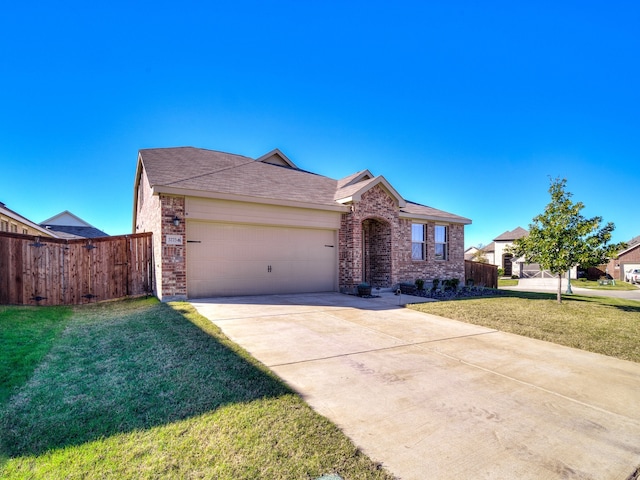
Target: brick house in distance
(627, 260)
(226, 224)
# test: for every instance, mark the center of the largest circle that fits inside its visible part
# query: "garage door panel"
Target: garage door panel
(234, 259)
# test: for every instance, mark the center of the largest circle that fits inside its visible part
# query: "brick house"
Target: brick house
(226, 224)
(628, 259)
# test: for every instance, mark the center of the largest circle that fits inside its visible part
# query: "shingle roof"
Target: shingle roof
(489, 248)
(432, 213)
(519, 232)
(211, 171)
(200, 170)
(71, 231)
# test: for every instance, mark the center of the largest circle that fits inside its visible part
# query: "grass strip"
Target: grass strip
(610, 326)
(140, 389)
(26, 336)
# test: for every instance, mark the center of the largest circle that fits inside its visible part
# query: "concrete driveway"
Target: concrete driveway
(432, 398)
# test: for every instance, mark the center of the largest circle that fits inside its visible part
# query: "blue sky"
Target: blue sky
(469, 107)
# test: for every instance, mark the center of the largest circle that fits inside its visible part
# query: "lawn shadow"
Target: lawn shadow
(128, 366)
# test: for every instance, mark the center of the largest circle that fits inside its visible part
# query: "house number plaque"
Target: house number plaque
(174, 240)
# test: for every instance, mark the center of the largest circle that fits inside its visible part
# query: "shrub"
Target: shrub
(500, 271)
(420, 283)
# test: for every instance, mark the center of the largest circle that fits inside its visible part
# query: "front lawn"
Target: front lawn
(610, 326)
(140, 389)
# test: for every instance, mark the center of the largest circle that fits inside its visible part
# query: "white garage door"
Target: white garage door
(627, 267)
(233, 259)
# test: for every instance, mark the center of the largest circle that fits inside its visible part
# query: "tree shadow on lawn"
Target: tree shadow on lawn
(127, 366)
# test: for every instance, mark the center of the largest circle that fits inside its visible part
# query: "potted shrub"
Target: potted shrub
(408, 288)
(364, 289)
(420, 284)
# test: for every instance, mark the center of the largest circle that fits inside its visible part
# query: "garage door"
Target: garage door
(627, 267)
(233, 259)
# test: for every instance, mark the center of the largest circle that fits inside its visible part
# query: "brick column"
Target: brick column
(173, 249)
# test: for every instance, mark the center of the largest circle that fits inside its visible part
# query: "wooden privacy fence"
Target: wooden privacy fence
(482, 274)
(49, 271)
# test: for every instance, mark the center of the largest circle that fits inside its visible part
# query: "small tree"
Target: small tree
(561, 238)
(480, 256)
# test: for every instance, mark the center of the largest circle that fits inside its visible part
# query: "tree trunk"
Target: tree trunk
(559, 288)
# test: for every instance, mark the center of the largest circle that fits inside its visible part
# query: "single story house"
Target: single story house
(628, 259)
(226, 224)
(67, 225)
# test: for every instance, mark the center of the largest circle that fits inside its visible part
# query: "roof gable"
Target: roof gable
(355, 178)
(353, 190)
(630, 247)
(276, 157)
(66, 218)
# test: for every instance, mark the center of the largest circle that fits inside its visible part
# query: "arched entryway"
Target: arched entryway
(376, 252)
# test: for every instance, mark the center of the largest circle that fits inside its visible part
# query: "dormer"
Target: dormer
(276, 157)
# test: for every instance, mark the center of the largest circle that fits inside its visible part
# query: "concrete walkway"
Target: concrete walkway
(432, 398)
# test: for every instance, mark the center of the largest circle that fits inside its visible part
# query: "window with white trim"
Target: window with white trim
(418, 242)
(441, 242)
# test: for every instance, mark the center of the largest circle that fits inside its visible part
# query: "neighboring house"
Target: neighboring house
(68, 225)
(479, 254)
(471, 253)
(13, 222)
(490, 253)
(226, 224)
(501, 256)
(628, 259)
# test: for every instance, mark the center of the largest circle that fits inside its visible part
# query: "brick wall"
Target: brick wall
(616, 268)
(174, 257)
(387, 241)
(155, 214)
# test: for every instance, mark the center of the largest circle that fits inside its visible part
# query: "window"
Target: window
(4, 226)
(417, 241)
(14, 228)
(25, 231)
(442, 242)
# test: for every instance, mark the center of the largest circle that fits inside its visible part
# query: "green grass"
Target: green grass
(140, 389)
(593, 284)
(26, 336)
(610, 326)
(507, 282)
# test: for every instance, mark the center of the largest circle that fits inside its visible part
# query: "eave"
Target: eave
(160, 189)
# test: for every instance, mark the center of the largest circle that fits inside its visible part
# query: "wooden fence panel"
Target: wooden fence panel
(46, 271)
(482, 274)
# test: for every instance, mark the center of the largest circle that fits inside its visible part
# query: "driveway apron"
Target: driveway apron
(433, 398)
